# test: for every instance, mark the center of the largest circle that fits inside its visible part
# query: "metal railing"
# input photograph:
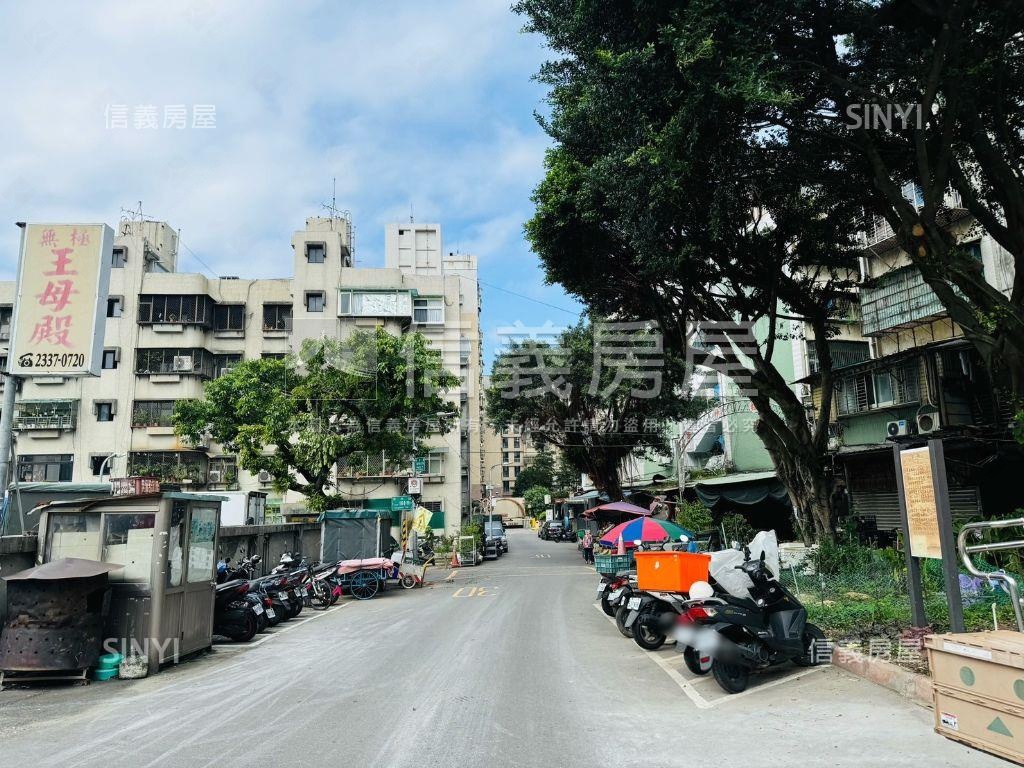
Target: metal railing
(966, 550)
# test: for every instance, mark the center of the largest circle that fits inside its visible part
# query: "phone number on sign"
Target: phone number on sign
(51, 360)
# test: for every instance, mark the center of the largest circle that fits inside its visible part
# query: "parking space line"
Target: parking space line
(278, 632)
(695, 696)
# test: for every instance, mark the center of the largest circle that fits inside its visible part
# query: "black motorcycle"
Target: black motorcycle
(233, 614)
(746, 633)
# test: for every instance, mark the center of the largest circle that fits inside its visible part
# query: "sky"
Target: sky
(414, 107)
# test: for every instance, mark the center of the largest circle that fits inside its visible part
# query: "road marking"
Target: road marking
(694, 695)
(473, 592)
(278, 631)
(539, 555)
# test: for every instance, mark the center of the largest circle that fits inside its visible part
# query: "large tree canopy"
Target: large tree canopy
(662, 201)
(597, 407)
(297, 418)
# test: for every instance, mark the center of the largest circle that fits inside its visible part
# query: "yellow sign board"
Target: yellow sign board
(60, 306)
(919, 497)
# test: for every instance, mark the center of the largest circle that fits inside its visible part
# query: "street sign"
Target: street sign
(415, 486)
(419, 465)
(919, 497)
(60, 305)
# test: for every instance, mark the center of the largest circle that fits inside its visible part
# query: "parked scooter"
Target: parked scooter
(233, 615)
(609, 591)
(746, 633)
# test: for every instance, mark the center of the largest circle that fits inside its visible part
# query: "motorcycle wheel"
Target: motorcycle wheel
(620, 621)
(731, 678)
(321, 596)
(251, 628)
(608, 608)
(643, 635)
(691, 657)
(813, 638)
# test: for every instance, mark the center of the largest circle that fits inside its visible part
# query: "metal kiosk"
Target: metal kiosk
(162, 600)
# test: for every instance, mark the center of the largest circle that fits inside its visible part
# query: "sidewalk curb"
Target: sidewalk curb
(910, 685)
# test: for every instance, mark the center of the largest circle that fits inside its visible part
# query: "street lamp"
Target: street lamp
(106, 463)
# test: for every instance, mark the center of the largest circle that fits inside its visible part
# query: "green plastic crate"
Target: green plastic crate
(612, 564)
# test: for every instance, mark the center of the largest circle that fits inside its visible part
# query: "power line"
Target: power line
(529, 298)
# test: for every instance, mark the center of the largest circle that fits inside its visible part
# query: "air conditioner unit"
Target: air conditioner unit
(182, 363)
(263, 476)
(899, 428)
(928, 422)
(214, 476)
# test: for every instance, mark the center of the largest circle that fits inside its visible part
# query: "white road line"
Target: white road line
(290, 626)
(691, 693)
(699, 701)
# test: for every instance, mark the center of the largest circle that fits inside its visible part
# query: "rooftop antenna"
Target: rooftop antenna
(411, 217)
(344, 216)
(130, 216)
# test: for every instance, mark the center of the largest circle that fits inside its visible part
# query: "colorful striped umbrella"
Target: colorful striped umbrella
(644, 529)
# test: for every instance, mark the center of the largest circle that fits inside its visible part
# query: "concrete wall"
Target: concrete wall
(269, 541)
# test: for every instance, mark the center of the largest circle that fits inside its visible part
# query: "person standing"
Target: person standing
(588, 547)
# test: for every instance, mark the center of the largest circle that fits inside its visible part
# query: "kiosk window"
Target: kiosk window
(128, 541)
(201, 545)
(175, 558)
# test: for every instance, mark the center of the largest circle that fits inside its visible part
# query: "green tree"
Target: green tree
(533, 498)
(539, 471)
(567, 478)
(662, 202)
(298, 418)
(563, 398)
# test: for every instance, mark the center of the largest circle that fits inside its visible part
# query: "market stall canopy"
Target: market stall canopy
(64, 568)
(616, 512)
(741, 488)
(644, 529)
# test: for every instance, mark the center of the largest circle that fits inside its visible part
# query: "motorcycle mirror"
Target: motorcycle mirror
(737, 546)
(762, 555)
(684, 538)
(637, 542)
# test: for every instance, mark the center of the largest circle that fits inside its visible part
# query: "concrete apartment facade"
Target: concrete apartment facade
(169, 332)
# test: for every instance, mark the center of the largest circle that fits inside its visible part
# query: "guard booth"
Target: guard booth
(354, 534)
(161, 602)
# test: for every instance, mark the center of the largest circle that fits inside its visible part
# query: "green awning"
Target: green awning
(745, 488)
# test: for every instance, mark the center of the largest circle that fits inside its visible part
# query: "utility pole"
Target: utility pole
(7, 414)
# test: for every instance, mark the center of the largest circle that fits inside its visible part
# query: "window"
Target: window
(175, 310)
(516, 457)
(229, 317)
(115, 306)
(5, 322)
(315, 301)
(182, 360)
(274, 355)
(128, 541)
(375, 303)
(505, 472)
(506, 457)
(96, 464)
(118, 258)
(316, 253)
(277, 317)
(74, 536)
(45, 468)
(185, 467)
(176, 545)
(201, 537)
(428, 311)
(109, 359)
(222, 364)
(506, 487)
(883, 388)
(152, 413)
(517, 443)
(224, 470)
(434, 463)
(104, 410)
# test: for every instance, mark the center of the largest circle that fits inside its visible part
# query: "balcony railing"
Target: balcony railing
(897, 299)
(65, 422)
(370, 466)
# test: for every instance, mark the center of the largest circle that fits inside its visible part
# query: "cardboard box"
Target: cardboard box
(988, 664)
(978, 690)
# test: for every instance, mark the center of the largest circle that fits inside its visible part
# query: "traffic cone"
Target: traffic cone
(621, 550)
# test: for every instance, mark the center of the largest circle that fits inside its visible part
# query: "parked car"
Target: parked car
(554, 530)
(497, 530)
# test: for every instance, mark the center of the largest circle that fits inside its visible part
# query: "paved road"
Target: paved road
(507, 664)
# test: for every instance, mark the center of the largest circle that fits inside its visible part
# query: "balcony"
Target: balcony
(898, 299)
(879, 236)
(48, 415)
(369, 467)
(843, 353)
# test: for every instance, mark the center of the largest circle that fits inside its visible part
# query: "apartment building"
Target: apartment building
(508, 453)
(169, 332)
(905, 374)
